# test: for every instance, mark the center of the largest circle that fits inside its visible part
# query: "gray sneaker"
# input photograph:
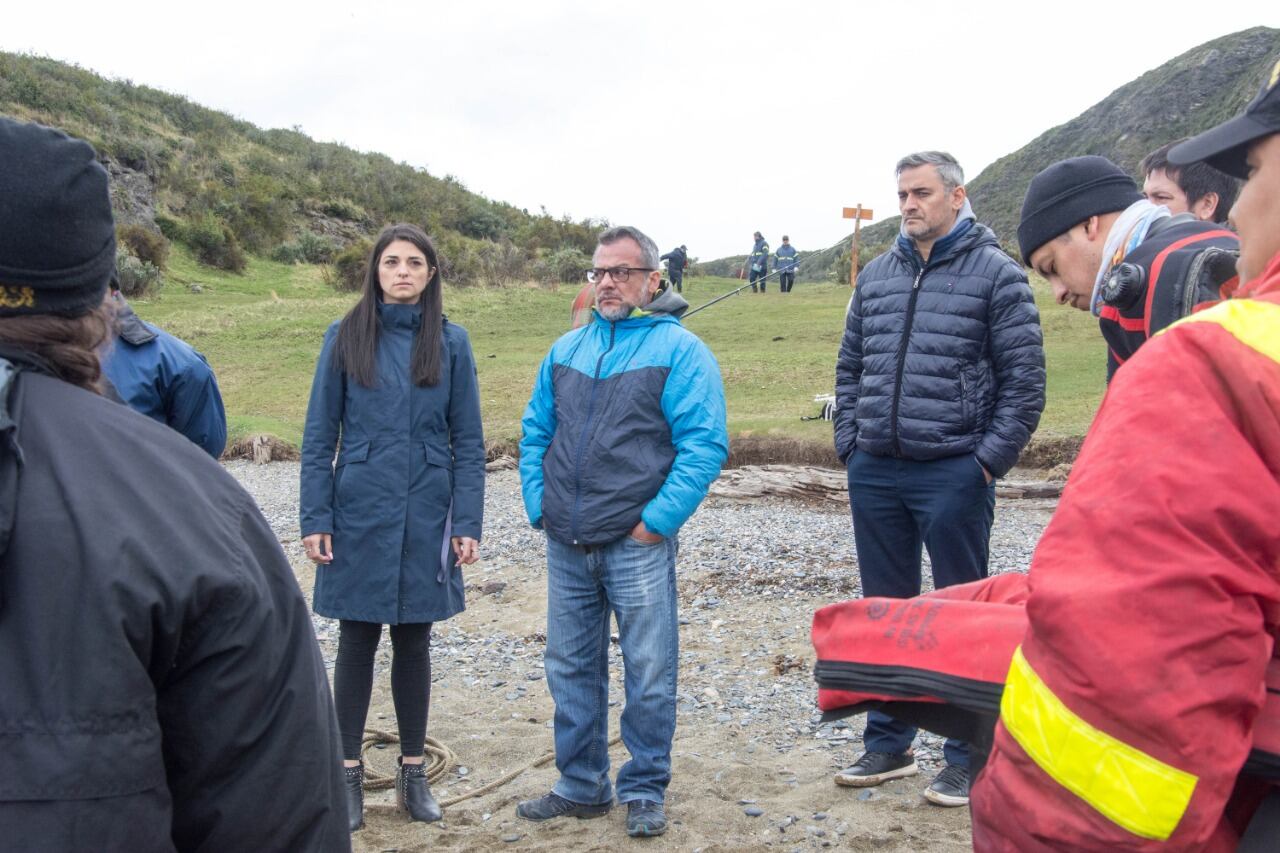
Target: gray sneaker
(554, 805)
(645, 819)
(950, 787)
(873, 768)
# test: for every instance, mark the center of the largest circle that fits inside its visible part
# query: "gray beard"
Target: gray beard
(622, 312)
(930, 234)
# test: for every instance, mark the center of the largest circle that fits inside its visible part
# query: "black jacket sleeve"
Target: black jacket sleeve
(1017, 353)
(251, 743)
(848, 377)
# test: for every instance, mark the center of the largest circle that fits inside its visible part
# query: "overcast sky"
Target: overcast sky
(697, 122)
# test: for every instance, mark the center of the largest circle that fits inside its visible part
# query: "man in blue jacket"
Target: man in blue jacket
(785, 264)
(939, 385)
(164, 378)
(623, 435)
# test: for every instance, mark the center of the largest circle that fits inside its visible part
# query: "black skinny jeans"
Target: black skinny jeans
(410, 682)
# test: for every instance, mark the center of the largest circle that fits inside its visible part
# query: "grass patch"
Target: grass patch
(261, 332)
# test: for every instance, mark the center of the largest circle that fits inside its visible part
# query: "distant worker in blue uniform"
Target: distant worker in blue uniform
(164, 378)
(785, 264)
(758, 262)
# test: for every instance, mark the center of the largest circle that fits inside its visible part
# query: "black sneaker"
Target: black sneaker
(874, 768)
(645, 818)
(950, 787)
(554, 805)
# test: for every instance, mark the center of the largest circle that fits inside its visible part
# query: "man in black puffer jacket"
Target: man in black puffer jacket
(939, 385)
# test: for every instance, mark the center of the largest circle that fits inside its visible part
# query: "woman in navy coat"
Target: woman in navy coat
(390, 524)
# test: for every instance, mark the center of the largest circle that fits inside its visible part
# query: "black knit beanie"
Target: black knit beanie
(57, 235)
(1066, 194)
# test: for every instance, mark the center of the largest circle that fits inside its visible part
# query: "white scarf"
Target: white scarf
(1126, 234)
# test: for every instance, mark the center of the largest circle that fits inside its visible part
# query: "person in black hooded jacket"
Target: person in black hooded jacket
(162, 686)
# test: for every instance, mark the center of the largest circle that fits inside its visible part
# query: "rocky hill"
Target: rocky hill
(1180, 98)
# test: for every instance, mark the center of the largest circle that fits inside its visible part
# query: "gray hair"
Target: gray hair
(648, 248)
(948, 167)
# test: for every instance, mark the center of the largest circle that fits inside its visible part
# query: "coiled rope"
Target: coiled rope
(439, 760)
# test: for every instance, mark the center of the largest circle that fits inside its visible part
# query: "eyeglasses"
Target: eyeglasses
(595, 275)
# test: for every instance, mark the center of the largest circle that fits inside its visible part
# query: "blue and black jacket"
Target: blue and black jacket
(784, 260)
(626, 422)
(759, 255)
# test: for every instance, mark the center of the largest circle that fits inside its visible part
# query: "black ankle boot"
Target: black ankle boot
(353, 781)
(413, 795)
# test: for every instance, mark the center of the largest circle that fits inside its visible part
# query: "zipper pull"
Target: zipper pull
(916, 284)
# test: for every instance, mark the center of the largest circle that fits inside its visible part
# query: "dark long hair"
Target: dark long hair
(357, 345)
(68, 346)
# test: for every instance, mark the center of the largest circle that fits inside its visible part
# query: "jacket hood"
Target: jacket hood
(965, 235)
(667, 302)
(129, 325)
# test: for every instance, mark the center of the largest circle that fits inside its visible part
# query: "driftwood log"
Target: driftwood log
(825, 484)
(502, 463)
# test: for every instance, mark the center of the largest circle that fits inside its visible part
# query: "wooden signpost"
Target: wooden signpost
(857, 214)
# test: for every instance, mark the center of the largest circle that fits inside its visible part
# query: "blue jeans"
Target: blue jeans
(900, 505)
(636, 582)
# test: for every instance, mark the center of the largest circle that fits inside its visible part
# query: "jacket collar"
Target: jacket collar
(395, 316)
(1267, 283)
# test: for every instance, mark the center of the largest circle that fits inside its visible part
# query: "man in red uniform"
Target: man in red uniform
(1154, 609)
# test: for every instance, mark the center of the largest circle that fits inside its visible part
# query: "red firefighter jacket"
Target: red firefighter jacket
(1154, 608)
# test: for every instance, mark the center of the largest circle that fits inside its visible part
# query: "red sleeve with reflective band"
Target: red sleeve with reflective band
(1154, 606)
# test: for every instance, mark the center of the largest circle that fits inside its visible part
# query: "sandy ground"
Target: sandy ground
(712, 769)
(747, 732)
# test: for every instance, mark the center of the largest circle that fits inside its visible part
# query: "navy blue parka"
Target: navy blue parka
(942, 357)
(409, 474)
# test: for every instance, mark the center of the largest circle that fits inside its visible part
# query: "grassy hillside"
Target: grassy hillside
(261, 332)
(204, 177)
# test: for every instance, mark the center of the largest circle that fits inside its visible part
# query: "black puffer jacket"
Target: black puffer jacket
(160, 684)
(942, 358)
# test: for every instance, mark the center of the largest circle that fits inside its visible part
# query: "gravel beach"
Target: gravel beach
(748, 738)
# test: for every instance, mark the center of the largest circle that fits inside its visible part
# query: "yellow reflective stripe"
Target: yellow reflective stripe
(1139, 793)
(1254, 323)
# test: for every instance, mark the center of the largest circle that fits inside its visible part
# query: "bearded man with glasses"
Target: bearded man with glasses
(623, 436)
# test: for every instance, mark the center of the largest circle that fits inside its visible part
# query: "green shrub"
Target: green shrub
(341, 208)
(346, 272)
(136, 276)
(144, 244)
(172, 229)
(460, 264)
(482, 222)
(502, 263)
(215, 244)
(563, 266)
(309, 248)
